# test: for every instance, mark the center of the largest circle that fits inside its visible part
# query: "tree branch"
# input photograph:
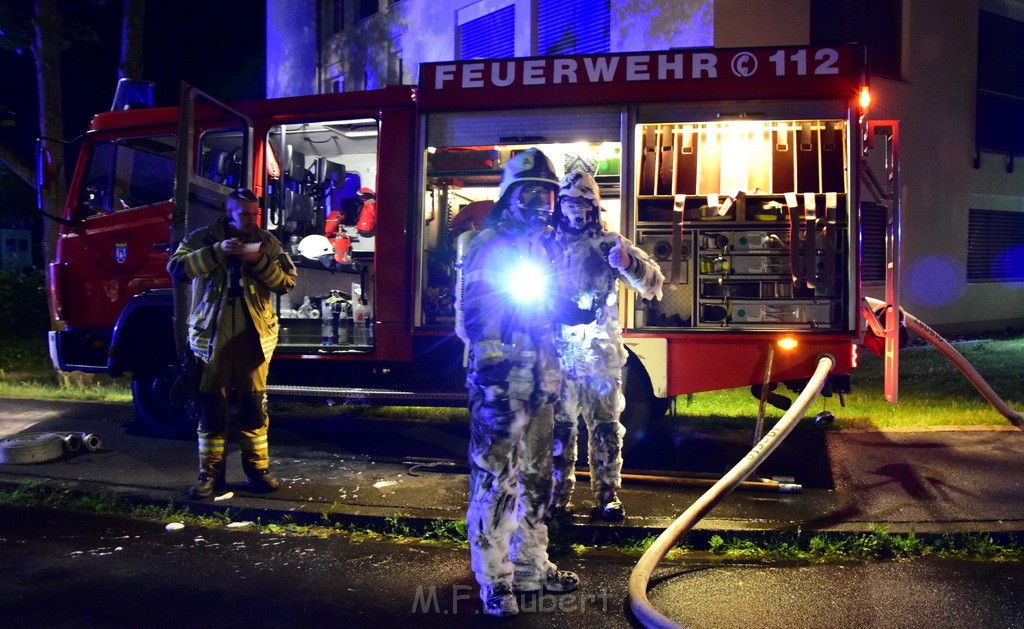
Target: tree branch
(23, 169)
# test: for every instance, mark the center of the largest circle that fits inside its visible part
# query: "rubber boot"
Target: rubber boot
(499, 600)
(553, 581)
(260, 480)
(211, 479)
(610, 507)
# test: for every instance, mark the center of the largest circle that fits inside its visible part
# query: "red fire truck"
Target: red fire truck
(738, 170)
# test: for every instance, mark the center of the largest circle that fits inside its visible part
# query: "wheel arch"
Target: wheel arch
(143, 338)
(653, 355)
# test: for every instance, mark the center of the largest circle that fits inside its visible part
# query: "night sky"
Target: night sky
(216, 45)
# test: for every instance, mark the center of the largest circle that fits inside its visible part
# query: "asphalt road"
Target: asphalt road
(63, 569)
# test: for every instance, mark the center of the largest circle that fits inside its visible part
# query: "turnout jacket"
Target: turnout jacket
(200, 259)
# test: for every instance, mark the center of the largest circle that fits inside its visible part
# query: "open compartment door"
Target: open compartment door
(214, 157)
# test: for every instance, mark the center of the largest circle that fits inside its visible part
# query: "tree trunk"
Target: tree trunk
(46, 50)
(131, 39)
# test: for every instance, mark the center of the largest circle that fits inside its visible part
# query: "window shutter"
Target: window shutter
(995, 246)
(566, 27)
(491, 36)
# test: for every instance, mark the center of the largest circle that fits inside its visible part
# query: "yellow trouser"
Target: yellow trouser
(238, 364)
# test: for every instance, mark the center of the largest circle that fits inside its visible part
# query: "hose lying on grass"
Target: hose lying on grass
(958, 360)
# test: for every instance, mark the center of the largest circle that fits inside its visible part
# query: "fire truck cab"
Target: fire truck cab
(738, 170)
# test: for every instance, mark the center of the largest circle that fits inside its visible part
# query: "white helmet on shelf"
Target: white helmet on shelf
(314, 246)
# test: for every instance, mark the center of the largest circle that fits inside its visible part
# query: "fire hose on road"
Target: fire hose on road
(641, 575)
(40, 447)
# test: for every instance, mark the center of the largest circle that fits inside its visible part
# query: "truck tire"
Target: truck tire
(154, 410)
(643, 412)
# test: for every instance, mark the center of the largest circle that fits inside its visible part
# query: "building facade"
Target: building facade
(949, 72)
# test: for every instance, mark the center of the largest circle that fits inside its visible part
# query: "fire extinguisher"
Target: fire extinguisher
(342, 247)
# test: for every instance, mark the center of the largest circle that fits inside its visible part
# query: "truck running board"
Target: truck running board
(349, 395)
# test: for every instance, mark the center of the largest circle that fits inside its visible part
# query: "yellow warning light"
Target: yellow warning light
(787, 343)
(864, 98)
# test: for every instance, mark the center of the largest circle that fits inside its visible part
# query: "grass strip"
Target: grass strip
(756, 546)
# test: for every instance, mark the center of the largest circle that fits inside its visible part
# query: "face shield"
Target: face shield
(532, 204)
(576, 213)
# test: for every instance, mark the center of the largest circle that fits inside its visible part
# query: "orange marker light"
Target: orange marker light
(864, 99)
(787, 343)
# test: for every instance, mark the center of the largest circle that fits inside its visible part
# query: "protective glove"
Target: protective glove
(618, 257)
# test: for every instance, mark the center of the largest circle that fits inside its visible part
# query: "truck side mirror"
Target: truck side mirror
(46, 175)
(44, 167)
(44, 172)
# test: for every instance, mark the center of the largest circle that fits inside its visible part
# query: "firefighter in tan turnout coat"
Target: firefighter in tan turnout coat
(234, 266)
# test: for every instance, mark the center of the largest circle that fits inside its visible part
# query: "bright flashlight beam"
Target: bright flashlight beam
(527, 283)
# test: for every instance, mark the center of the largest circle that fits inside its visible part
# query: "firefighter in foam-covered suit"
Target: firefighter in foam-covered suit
(589, 341)
(505, 316)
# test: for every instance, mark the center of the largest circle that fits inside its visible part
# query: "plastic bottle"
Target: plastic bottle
(360, 322)
(328, 329)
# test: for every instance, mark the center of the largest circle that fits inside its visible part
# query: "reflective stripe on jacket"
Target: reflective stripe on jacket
(200, 259)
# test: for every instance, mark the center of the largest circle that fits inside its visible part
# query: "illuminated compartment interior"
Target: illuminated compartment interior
(748, 220)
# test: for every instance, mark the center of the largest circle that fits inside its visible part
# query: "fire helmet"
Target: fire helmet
(585, 205)
(312, 247)
(527, 182)
(366, 192)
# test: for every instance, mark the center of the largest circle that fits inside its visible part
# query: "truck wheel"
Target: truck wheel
(643, 410)
(159, 417)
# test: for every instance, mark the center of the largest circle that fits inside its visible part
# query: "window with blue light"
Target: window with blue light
(1000, 105)
(995, 246)
(572, 26)
(490, 36)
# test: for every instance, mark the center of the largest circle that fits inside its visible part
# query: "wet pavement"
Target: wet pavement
(360, 471)
(72, 569)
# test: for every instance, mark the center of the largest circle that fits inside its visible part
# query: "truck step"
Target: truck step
(357, 395)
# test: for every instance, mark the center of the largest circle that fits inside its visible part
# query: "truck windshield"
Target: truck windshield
(126, 174)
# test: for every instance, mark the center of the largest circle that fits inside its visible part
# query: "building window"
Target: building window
(995, 246)
(1000, 110)
(875, 23)
(339, 16)
(367, 8)
(572, 27)
(490, 36)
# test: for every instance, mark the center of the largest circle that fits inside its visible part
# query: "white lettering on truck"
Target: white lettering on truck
(704, 63)
(548, 71)
(473, 75)
(675, 66)
(509, 77)
(533, 72)
(636, 69)
(565, 71)
(599, 70)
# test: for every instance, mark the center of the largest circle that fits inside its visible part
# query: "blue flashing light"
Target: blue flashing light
(133, 94)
